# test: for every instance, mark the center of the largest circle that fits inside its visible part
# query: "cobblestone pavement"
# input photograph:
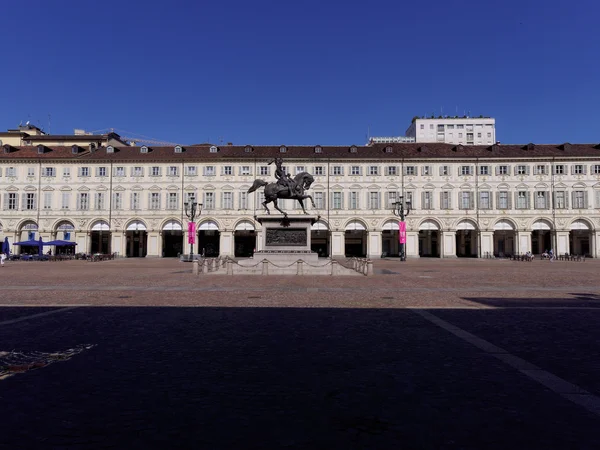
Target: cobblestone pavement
(439, 354)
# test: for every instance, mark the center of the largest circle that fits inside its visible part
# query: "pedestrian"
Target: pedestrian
(2, 258)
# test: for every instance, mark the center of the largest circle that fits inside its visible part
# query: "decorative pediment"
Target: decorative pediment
(227, 187)
(466, 187)
(579, 185)
(11, 189)
(137, 187)
(522, 187)
(503, 187)
(102, 188)
(485, 187)
(30, 188)
(392, 187)
(83, 189)
(541, 186)
(560, 186)
(410, 186)
(447, 187)
(118, 188)
(189, 187)
(66, 188)
(172, 187)
(47, 188)
(154, 187)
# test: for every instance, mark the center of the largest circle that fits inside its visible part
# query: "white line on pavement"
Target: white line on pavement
(556, 384)
(33, 316)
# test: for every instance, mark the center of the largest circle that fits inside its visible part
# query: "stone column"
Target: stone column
(487, 243)
(226, 243)
(374, 244)
(448, 244)
(523, 242)
(337, 244)
(562, 243)
(153, 246)
(412, 244)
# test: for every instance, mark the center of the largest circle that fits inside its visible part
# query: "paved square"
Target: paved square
(465, 354)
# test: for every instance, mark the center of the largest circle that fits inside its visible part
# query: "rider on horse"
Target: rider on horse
(284, 179)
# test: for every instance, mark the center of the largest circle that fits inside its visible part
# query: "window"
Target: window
(427, 200)
(137, 171)
(444, 171)
(469, 137)
(29, 201)
(227, 200)
(83, 201)
(99, 200)
(440, 128)
(213, 149)
(227, 170)
(354, 200)
(31, 171)
(353, 149)
(47, 200)
(209, 171)
(143, 149)
(178, 149)
(117, 201)
(389, 149)
(579, 199)
(560, 200)
(596, 169)
(66, 200)
(191, 171)
(501, 170)
(300, 169)
(135, 200)
(154, 203)
(318, 149)
(155, 171)
(84, 171)
(521, 170)
(541, 200)
(503, 200)
(172, 200)
(337, 200)
(466, 199)
(410, 170)
(100, 171)
(11, 172)
(319, 200)
(173, 171)
(450, 127)
(460, 127)
(264, 171)
(431, 126)
(10, 201)
(540, 169)
(484, 170)
(391, 171)
(209, 200)
(390, 200)
(49, 172)
(243, 200)
(422, 126)
(466, 170)
(245, 171)
(479, 135)
(318, 171)
(373, 200)
(426, 170)
(119, 171)
(578, 169)
(460, 135)
(190, 197)
(489, 135)
(559, 169)
(445, 200)
(355, 170)
(522, 200)
(283, 149)
(338, 170)
(484, 200)
(373, 170)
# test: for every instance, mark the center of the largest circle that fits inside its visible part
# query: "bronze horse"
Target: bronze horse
(273, 191)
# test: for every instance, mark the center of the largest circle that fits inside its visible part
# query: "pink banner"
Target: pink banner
(191, 232)
(402, 232)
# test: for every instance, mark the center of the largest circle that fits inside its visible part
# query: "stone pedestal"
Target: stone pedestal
(285, 240)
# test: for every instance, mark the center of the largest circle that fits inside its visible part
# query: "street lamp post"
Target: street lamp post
(399, 211)
(192, 209)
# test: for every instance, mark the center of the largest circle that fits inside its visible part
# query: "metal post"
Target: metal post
(191, 208)
(399, 211)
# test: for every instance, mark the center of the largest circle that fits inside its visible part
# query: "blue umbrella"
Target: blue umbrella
(60, 243)
(6, 246)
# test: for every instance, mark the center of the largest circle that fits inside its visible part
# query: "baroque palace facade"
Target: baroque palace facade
(466, 201)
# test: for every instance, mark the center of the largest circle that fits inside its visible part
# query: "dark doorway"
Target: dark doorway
(172, 244)
(209, 243)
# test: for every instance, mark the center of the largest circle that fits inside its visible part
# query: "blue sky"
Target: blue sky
(301, 73)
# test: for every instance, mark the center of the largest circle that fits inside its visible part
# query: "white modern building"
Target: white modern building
(454, 130)
(467, 201)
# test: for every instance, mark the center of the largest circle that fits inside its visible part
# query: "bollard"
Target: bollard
(229, 267)
(369, 267)
(299, 268)
(265, 267)
(204, 266)
(333, 267)
(195, 268)
(214, 265)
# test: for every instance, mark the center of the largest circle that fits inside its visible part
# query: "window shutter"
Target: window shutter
(547, 206)
(422, 201)
(470, 170)
(497, 170)
(516, 199)
(585, 199)
(528, 197)
(516, 170)
(573, 197)
(572, 170)
(498, 199)
(459, 170)
(79, 171)
(23, 201)
(527, 169)
(5, 206)
(441, 170)
(491, 197)
(596, 192)
(584, 167)
(149, 200)
(509, 200)
(97, 171)
(360, 171)
(403, 170)
(441, 200)
(471, 200)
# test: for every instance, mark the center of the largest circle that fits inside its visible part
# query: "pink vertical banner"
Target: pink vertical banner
(191, 232)
(402, 232)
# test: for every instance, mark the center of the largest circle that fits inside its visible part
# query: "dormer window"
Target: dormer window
(178, 149)
(40, 149)
(282, 149)
(74, 149)
(92, 146)
(110, 149)
(214, 149)
(143, 149)
(353, 149)
(318, 149)
(6, 148)
(388, 149)
(248, 149)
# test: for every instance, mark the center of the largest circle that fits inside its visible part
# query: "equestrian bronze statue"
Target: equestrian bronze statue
(285, 187)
